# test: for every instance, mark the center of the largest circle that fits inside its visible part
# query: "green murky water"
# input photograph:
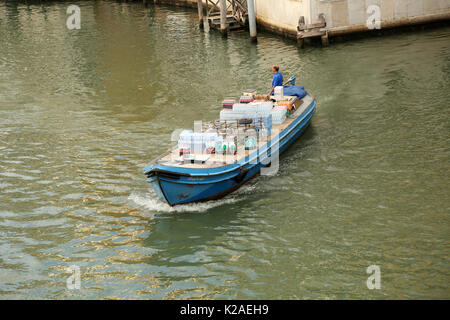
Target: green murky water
(83, 111)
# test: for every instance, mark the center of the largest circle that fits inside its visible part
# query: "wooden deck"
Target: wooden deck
(173, 158)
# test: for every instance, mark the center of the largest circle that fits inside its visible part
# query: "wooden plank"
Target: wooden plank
(310, 34)
(316, 25)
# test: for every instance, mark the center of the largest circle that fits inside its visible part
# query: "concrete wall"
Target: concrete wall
(344, 16)
(350, 13)
(281, 15)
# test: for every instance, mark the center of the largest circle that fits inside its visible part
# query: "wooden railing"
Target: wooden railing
(237, 8)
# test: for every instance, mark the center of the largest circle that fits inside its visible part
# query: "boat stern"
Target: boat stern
(175, 188)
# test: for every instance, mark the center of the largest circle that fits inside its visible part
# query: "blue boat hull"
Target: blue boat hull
(176, 185)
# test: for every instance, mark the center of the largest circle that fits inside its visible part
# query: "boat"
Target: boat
(212, 176)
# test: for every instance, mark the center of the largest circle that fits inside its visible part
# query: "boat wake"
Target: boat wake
(151, 202)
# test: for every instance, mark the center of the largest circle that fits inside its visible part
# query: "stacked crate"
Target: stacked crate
(278, 114)
(246, 99)
(259, 120)
(196, 142)
(228, 103)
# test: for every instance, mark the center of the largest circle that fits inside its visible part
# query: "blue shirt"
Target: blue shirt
(277, 79)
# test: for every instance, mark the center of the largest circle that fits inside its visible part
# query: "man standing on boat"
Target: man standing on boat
(277, 78)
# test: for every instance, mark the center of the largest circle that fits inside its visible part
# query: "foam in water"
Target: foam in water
(151, 201)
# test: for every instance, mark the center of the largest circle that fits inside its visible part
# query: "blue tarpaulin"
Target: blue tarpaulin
(298, 91)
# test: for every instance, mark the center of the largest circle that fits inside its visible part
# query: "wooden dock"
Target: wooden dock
(234, 12)
(315, 30)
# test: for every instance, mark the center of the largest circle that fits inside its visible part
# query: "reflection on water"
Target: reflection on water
(83, 111)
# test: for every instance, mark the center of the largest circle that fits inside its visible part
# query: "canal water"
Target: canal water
(83, 111)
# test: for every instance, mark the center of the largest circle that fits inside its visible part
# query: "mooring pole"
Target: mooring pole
(223, 17)
(200, 12)
(252, 20)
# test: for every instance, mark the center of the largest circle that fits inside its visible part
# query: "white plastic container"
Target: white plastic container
(225, 113)
(279, 114)
(279, 91)
(218, 144)
(265, 107)
(244, 107)
(209, 136)
(185, 141)
(231, 147)
(197, 144)
(186, 136)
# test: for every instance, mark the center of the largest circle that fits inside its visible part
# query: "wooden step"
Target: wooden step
(311, 33)
(217, 15)
(217, 20)
(217, 23)
(230, 27)
(232, 23)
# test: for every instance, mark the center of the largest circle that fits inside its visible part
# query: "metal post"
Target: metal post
(200, 12)
(252, 20)
(223, 17)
